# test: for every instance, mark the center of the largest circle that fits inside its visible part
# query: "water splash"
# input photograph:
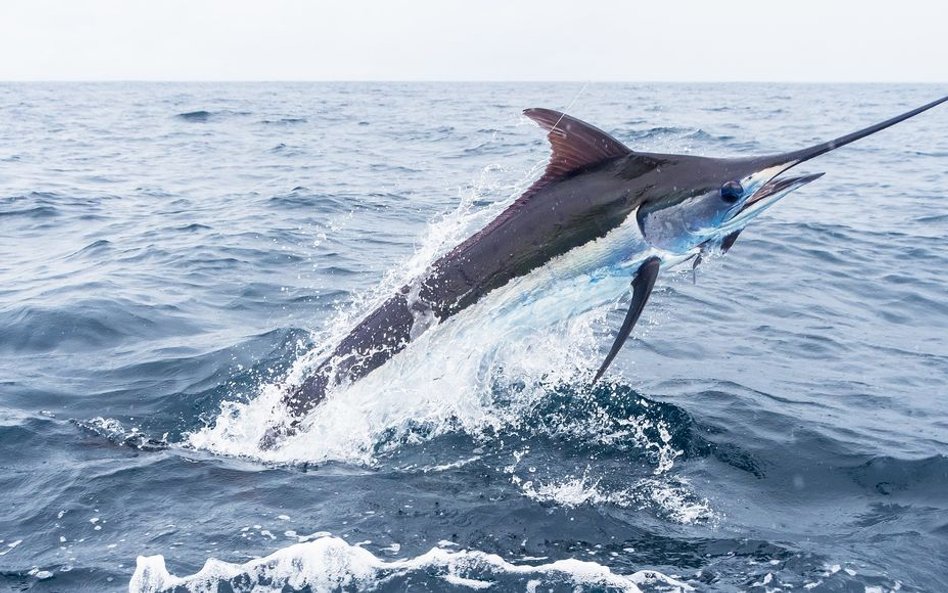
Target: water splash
(346, 427)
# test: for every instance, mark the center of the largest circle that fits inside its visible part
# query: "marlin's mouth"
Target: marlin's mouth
(775, 189)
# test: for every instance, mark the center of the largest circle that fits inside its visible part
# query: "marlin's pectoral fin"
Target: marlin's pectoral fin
(728, 241)
(641, 289)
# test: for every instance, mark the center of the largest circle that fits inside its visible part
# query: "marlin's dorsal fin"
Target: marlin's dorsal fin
(575, 145)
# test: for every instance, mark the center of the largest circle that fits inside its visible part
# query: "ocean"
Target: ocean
(172, 253)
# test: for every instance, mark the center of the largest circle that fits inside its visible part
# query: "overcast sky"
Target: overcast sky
(582, 40)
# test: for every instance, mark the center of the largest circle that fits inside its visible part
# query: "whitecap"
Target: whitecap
(330, 564)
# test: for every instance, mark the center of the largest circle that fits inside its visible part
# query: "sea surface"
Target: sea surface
(170, 254)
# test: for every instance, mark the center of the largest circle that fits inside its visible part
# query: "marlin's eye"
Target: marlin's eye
(731, 191)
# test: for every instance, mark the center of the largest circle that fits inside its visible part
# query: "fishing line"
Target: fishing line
(570, 106)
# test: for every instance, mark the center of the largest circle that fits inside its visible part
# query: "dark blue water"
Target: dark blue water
(169, 253)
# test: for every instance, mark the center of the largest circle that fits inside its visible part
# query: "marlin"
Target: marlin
(599, 209)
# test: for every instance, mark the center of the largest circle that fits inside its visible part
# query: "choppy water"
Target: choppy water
(169, 252)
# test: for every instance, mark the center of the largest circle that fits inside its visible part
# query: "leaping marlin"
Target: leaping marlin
(620, 211)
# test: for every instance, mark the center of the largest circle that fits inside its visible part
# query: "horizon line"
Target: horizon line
(454, 81)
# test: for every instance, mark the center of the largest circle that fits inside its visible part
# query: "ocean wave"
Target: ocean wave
(32, 212)
(283, 121)
(117, 434)
(903, 478)
(203, 115)
(200, 115)
(87, 323)
(331, 564)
